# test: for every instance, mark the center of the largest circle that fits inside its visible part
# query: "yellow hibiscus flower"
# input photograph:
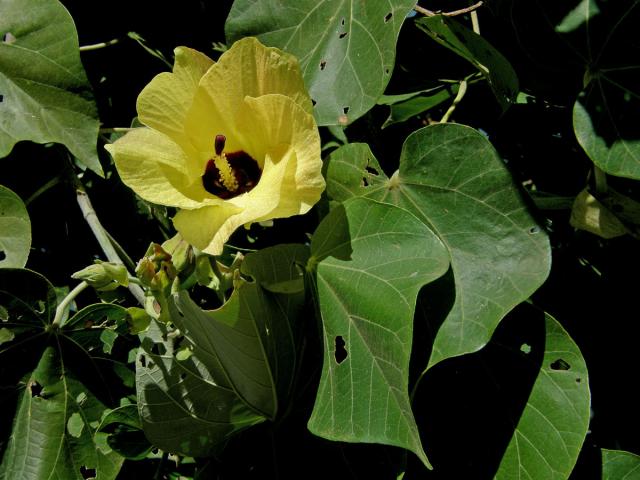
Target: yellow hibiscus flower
(229, 142)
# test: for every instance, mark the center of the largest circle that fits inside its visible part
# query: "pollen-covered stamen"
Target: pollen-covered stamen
(227, 177)
(230, 174)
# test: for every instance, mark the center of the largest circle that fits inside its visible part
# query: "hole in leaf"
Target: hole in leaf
(388, 16)
(342, 22)
(158, 349)
(343, 34)
(87, 473)
(534, 230)
(151, 365)
(365, 183)
(1, 98)
(341, 353)
(386, 71)
(183, 376)
(372, 170)
(2, 255)
(578, 380)
(36, 389)
(560, 364)
(345, 110)
(8, 38)
(313, 102)
(143, 361)
(323, 64)
(154, 451)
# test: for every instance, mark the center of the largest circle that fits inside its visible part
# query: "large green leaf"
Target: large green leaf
(186, 406)
(550, 432)
(57, 377)
(619, 465)
(346, 47)
(453, 180)
(15, 230)
(481, 54)
(372, 259)
(44, 92)
(240, 356)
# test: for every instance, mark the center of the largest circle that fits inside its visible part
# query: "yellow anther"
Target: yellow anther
(227, 177)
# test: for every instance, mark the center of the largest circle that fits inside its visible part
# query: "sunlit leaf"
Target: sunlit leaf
(15, 230)
(452, 179)
(372, 259)
(44, 92)
(481, 54)
(577, 17)
(550, 432)
(619, 465)
(346, 49)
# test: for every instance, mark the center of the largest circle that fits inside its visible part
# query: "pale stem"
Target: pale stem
(462, 11)
(103, 239)
(64, 304)
(475, 23)
(461, 92)
(116, 130)
(97, 46)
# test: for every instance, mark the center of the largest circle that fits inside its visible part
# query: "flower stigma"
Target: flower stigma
(228, 175)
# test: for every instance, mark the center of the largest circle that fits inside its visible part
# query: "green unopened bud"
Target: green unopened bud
(182, 255)
(104, 276)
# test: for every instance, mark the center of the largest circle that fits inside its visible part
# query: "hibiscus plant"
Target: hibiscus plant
(318, 239)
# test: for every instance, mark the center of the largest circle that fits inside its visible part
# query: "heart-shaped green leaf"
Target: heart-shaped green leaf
(372, 259)
(346, 49)
(44, 92)
(15, 230)
(476, 50)
(452, 179)
(553, 425)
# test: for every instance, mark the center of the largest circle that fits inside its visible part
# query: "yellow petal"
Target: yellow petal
(274, 121)
(154, 166)
(248, 68)
(164, 102)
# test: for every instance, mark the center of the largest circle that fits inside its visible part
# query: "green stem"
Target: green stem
(51, 183)
(97, 46)
(103, 238)
(475, 23)
(461, 93)
(462, 11)
(64, 304)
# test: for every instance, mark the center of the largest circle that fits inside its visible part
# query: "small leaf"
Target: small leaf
(372, 259)
(553, 425)
(404, 109)
(580, 15)
(619, 465)
(346, 49)
(6, 335)
(605, 118)
(453, 180)
(46, 96)
(481, 54)
(15, 230)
